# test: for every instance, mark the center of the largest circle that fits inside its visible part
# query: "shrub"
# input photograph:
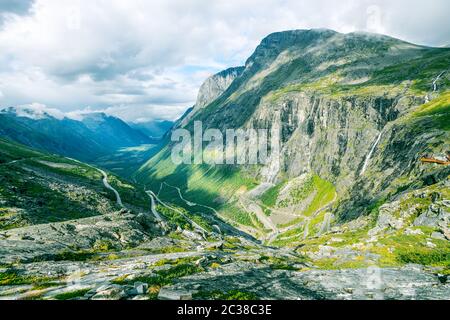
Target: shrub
(423, 256)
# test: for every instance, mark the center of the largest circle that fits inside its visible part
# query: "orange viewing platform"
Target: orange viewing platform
(432, 160)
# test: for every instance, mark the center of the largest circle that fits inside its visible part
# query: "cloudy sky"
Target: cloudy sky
(145, 59)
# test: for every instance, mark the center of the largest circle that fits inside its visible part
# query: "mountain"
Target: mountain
(113, 132)
(93, 135)
(357, 207)
(154, 129)
(211, 89)
(356, 113)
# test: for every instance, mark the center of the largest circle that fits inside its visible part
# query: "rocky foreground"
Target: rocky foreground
(73, 260)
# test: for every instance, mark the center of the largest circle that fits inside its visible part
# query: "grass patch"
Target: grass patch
(276, 263)
(324, 192)
(72, 294)
(228, 295)
(171, 249)
(164, 277)
(13, 277)
(424, 256)
(232, 212)
(68, 255)
(269, 198)
(437, 111)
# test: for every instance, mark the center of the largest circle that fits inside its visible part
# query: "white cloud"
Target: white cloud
(36, 111)
(150, 57)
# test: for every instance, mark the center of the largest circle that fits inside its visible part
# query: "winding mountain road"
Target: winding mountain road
(256, 209)
(243, 228)
(105, 175)
(155, 213)
(105, 180)
(304, 223)
(11, 162)
(20, 160)
(190, 203)
(153, 206)
(108, 186)
(193, 223)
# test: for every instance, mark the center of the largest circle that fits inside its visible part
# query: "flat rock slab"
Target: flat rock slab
(171, 294)
(410, 282)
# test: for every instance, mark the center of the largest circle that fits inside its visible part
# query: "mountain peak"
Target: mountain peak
(99, 116)
(34, 111)
(299, 34)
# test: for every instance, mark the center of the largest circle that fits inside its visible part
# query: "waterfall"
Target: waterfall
(435, 86)
(436, 80)
(369, 155)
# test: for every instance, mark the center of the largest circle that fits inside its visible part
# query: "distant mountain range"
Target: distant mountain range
(86, 137)
(154, 129)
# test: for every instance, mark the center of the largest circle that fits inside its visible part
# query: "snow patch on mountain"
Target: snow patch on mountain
(35, 111)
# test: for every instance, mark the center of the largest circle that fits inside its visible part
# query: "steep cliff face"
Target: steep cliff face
(214, 86)
(349, 107)
(211, 89)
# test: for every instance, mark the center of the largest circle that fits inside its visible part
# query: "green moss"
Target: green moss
(103, 245)
(399, 249)
(44, 285)
(276, 263)
(228, 295)
(14, 277)
(423, 256)
(162, 277)
(178, 271)
(326, 263)
(171, 249)
(68, 255)
(335, 264)
(178, 261)
(72, 294)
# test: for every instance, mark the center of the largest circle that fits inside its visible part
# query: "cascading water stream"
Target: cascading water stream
(369, 155)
